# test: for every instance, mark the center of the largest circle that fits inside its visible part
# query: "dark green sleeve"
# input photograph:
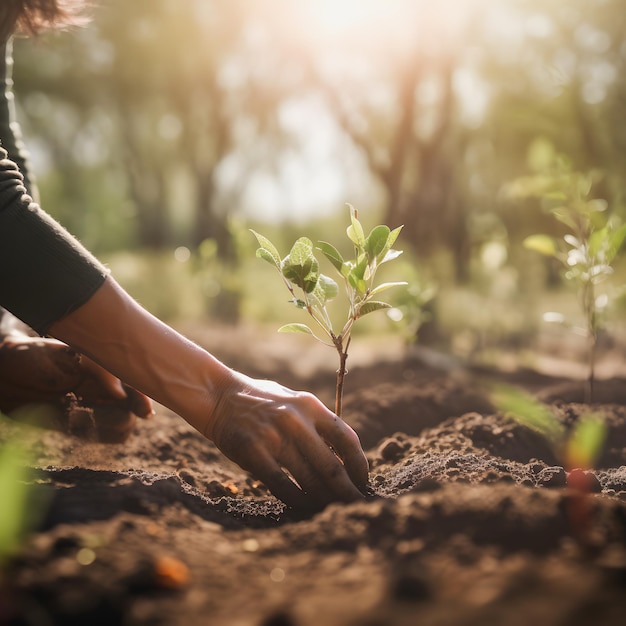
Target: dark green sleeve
(45, 273)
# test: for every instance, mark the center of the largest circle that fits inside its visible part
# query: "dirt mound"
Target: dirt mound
(469, 520)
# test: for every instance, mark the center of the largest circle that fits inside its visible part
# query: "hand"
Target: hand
(98, 386)
(265, 427)
(35, 369)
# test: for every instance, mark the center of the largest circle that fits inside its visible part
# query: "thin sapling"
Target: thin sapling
(311, 290)
(586, 251)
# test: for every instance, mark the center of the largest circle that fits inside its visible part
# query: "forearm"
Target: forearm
(261, 425)
(145, 353)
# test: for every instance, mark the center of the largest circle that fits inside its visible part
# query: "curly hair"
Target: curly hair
(30, 17)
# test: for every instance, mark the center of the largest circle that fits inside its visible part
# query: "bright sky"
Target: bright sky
(326, 171)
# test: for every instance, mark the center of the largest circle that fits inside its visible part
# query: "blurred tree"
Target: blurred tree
(394, 95)
(146, 92)
(144, 113)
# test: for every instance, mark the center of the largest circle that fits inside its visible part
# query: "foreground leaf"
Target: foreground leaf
(527, 411)
(331, 253)
(372, 305)
(376, 241)
(295, 328)
(385, 286)
(585, 444)
(301, 267)
(267, 251)
(355, 230)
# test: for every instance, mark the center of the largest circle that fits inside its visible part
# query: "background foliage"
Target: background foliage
(166, 124)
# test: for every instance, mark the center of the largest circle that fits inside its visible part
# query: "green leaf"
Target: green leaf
(360, 267)
(267, 251)
(326, 289)
(301, 267)
(376, 241)
(390, 256)
(541, 243)
(357, 276)
(358, 284)
(585, 443)
(332, 254)
(301, 252)
(266, 255)
(393, 235)
(328, 286)
(385, 286)
(372, 305)
(384, 256)
(14, 474)
(616, 239)
(527, 411)
(355, 230)
(295, 328)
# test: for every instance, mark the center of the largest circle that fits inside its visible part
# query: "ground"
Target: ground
(468, 521)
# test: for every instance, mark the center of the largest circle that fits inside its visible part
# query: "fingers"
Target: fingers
(346, 444)
(265, 427)
(139, 403)
(321, 474)
(40, 367)
(263, 466)
(110, 385)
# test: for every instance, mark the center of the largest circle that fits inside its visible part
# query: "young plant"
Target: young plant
(311, 290)
(586, 251)
(578, 448)
(15, 515)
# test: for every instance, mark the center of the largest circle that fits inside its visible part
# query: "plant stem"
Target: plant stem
(592, 334)
(592, 359)
(341, 372)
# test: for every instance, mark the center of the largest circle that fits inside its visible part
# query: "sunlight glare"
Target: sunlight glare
(387, 19)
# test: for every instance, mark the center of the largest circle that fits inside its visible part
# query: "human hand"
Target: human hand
(267, 428)
(99, 386)
(44, 370)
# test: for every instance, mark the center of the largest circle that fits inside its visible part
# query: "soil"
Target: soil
(470, 517)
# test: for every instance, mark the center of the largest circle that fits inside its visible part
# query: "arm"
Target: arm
(260, 425)
(52, 283)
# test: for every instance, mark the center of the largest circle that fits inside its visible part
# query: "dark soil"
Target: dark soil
(469, 520)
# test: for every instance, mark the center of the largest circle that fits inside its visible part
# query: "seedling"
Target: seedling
(586, 252)
(14, 474)
(578, 449)
(312, 290)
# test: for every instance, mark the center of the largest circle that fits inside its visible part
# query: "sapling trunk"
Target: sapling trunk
(341, 373)
(589, 308)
